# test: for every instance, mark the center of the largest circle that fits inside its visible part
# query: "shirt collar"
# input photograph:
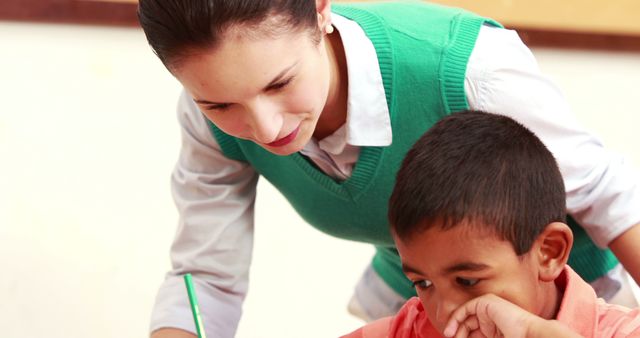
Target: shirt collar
(368, 122)
(578, 306)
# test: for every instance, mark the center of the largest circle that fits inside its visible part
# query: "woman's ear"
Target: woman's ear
(551, 250)
(323, 7)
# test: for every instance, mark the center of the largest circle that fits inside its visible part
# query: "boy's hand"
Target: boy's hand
(489, 316)
(492, 316)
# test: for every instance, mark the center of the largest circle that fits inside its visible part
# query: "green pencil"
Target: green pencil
(188, 281)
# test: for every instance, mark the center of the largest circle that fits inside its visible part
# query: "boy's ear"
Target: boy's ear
(551, 249)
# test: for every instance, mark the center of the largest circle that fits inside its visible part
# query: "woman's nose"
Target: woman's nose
(264, 120)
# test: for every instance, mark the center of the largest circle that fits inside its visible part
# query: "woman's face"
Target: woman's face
(266, 89)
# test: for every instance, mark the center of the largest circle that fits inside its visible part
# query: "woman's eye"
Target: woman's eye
(280, 85)
(221, 106)
(422, 284)
(467, 282)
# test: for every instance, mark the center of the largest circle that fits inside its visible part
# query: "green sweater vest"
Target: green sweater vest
(422, 51)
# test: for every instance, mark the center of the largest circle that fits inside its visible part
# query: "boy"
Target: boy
(477, 215)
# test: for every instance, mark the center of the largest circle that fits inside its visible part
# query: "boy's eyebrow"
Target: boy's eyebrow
(409, 269)
(273, 82)
(465, 266)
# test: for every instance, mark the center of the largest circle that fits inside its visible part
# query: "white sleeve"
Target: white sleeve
(603, 193)
(214, 240)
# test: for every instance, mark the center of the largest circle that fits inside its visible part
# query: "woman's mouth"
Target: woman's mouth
(285, 140)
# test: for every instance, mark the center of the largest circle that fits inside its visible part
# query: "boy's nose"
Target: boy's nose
(444, 308)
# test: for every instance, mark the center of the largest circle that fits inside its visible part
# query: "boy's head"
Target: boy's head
(478, 207)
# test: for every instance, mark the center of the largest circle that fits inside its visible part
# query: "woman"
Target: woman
(325, 105)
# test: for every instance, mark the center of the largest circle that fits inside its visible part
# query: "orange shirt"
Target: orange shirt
(580, 310)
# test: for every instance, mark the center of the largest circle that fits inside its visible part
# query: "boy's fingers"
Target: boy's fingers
(471, 323)
(488, 327)
(465, 319)
(451, 328)
(459, 316)
(478, 334)
(467, 327)
(463, 332)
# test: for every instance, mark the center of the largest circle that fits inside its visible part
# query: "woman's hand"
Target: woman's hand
(172, 333)
(491, 316)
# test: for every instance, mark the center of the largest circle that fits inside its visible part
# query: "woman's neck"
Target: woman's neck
(334, 114)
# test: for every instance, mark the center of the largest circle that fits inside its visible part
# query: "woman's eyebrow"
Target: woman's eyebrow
(273, 82)
(205, 102)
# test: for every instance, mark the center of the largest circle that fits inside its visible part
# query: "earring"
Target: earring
(328, 29)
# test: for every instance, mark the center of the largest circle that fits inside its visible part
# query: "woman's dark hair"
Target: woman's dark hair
(176, 29)
(480, 170)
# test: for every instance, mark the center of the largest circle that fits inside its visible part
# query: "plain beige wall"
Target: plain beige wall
(592, 16)
(88, 138)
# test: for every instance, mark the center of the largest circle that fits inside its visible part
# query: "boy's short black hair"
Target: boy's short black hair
(478, 169)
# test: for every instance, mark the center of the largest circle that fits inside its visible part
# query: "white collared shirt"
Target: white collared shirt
(215, 195)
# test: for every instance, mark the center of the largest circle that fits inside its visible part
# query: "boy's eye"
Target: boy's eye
(467, 282)
(422, 284)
